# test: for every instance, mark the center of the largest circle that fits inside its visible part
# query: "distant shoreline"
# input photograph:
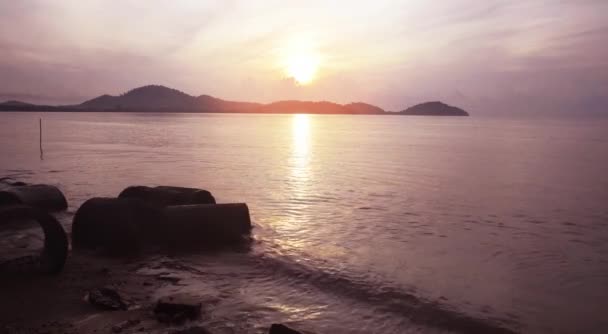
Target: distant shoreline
(386, 113)
(155, 98)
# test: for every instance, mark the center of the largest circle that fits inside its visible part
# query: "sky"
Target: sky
(486, 56)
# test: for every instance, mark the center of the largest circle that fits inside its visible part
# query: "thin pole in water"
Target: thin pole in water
(41, 152)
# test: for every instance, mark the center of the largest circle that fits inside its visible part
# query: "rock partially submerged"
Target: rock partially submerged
(207, 226)
(125, 225)
(54, 253)
(178, 308)
(42, 196)
(164, 195)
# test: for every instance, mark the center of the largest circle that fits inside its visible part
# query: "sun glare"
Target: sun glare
(302, 68)
(301, 135)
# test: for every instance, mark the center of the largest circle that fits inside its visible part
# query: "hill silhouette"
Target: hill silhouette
(161, 98)
(146, 97)
(157, 98)
(434, 108)
(322, 107)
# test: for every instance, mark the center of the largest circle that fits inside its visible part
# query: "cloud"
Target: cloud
(482, 55)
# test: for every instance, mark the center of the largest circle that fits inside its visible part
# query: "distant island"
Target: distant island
(155, 98)
(435, 108)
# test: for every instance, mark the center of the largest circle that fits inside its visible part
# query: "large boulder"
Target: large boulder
(164, 195)
(115, 225)
(42, 196)
(55, 251)
(207, 225)
(121, 226)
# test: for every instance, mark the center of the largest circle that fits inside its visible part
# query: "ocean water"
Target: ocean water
(363, 224)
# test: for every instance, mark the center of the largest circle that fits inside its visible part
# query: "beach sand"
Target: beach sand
(56, 304)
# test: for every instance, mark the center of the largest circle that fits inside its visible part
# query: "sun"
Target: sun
(302, 67)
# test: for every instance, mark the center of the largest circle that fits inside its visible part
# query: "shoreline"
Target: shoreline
(173, 111)
(54, 304)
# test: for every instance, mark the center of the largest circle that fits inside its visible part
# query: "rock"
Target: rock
(282, 329)
(7, 198)
(118, 328)
(168, 278)
(178, 308)
(9, 181)
(207, 225)
(106, 299)
(192, 330)
(164, 195)
(42, 196)
(125, 225)
(116, 225)
(55, 251)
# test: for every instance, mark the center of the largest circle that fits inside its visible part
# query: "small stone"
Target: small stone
(282, 329)
(177, 308)
(192, 330)
(106, 298)
(168, 278)
(124, 325)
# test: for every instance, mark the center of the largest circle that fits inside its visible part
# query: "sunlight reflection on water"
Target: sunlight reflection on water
(298, 182)
(301, 147)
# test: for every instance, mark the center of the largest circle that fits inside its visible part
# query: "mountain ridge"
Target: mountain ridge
(159, 98)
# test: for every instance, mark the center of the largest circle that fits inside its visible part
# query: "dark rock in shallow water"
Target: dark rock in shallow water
(282, 329)
(55, 249)
(164, 195)
(106, 299)
(121, 226)
(40, 196)
(115, 225)
(178, 308)
(214, 225)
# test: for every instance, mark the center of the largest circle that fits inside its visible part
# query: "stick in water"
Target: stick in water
(41, 152)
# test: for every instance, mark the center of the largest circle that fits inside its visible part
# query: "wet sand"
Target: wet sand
(56, 304)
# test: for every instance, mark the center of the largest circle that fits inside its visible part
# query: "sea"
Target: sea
(362, 223)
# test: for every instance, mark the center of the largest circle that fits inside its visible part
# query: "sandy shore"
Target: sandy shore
(56, 304)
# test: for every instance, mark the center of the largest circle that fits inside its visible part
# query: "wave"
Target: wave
(387, 298)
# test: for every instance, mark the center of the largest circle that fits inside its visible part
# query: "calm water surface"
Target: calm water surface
(362, 223)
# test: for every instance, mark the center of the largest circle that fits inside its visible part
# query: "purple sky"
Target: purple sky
(486, 56)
